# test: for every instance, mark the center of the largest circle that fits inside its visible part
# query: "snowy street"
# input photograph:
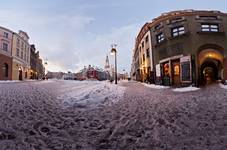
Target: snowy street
(98, 115)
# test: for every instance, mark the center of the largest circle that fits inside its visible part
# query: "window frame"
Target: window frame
(5, 46)
(209, 27)
(160, 37)
(178, 31)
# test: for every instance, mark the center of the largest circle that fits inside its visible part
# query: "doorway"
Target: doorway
(176, 73)
(20, 74)
(209, 71)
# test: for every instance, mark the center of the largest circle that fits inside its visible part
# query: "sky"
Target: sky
(71, 34)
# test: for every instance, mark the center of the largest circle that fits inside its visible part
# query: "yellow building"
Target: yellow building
(21, 56)
(143, 44)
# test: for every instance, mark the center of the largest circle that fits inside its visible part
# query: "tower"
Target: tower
(107, 64)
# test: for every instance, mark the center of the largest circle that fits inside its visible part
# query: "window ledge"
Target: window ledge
(213, 33)
(162, 42)
(180, 36)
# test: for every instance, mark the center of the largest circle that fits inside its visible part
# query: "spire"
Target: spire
(107, 64)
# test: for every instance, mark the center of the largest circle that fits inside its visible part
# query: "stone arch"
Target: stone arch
(210, 59)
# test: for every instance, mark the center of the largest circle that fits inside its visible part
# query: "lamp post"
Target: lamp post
(114, 52)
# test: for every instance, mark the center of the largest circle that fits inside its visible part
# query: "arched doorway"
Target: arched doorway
(5, 70)
(20, 74)
(210, 66)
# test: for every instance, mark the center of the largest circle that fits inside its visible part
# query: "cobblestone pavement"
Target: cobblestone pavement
(31, 117)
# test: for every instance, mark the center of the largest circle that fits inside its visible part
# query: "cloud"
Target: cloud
(67, 42)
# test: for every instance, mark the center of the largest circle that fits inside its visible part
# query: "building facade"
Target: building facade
(189, 47)
(143, 55)
(21, 56)
(37, 70)
(6, 37)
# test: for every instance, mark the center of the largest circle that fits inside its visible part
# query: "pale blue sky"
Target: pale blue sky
(74, 33)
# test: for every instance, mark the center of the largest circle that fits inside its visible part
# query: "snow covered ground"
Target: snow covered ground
(186, 89)
(8, 81)
(84, 93)
(223, 86)
(154, 86)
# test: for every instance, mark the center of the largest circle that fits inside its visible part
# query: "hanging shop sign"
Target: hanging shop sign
(158, 70)
(185, 69)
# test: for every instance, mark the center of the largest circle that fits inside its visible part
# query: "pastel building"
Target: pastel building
(5, 54)
(21, 56)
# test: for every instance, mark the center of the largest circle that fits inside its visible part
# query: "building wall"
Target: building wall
(21, 60)
(144, 49)
(5, 52)
(192, 41)
(171, 50)
(5, 60)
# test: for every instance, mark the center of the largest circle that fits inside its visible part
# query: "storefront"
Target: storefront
(174, 71)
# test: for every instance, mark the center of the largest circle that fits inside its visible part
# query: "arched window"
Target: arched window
(5, 70)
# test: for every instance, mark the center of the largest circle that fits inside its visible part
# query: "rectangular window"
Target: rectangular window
(5, 46)
(178, 31)
(143, 57)
(209, 28)
(147, 38)
(148, 52)
(18, 52)
(160, 37)
(22, 54)
(6, 35)
(142, 44)
(18, 42)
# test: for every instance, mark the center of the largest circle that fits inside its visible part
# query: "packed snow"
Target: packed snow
(84, 93)
(186, 89)
(223, 86)
(154, 86)
(9, 81)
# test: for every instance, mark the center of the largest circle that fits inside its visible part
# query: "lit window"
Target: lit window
(178, 31)
(5, 47)
(177, 70)
(209, 28)
(160, 37)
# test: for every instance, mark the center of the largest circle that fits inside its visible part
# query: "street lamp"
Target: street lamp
(114, 52)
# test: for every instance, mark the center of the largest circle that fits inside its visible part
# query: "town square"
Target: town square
(113, 75)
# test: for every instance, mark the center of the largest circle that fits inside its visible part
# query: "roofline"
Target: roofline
(173, 14)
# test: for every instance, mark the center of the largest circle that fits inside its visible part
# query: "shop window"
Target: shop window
(166, 69)
(5, 70)
(209, 28)
(178, 31)
(176, 70)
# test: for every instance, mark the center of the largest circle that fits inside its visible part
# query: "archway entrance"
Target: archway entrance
(20, 74)
(209, 71)
(210, 66)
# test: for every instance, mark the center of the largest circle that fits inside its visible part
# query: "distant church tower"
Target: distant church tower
(107, 64)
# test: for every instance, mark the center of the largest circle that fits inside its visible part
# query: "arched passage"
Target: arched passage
(210, 65)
